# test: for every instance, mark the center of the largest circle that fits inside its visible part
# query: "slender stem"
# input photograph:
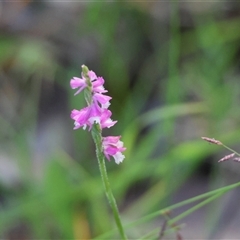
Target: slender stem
(97, 137)
(175, 206)
(196, 207)
(181, 216)
(183, 203)
(231, 149)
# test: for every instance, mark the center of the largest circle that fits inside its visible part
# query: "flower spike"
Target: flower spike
(96, 112)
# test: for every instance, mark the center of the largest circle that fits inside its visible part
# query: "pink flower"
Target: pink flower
(112, 146)
(92, 75)
(81, 83)
(83, 117)
(96, 112)
(105, 120)
(98, 85)
(78, 83)
(101, 99)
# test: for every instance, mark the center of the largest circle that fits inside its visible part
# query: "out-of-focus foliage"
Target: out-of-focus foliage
(173, 72)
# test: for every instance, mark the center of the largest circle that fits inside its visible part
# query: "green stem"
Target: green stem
(196, 207)
(97, 137)
(173, 221)
(183, 203)
(231, 150)
(175, 206)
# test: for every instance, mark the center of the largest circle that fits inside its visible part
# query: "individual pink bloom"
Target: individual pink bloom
(81, 83)
(83, 117)
(92, 75)
(112, 146)
(75, 115)
(78, 83)
(97, 85)
(99, 98)
(105, 120)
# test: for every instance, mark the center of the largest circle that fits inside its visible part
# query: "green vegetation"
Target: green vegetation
(173, 77)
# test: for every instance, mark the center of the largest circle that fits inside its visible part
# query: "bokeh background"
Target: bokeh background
(173, 70)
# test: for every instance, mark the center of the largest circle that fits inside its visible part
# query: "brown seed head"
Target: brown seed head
(212, 140)
(227, 157)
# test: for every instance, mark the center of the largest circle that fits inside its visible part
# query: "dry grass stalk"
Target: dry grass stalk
(227, 157)
(212, 140)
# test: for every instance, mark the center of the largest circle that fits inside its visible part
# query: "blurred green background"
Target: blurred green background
(173, 70)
